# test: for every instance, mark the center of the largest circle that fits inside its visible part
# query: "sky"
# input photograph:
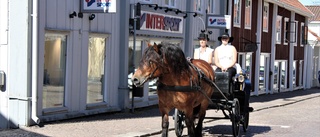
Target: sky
(310, 2)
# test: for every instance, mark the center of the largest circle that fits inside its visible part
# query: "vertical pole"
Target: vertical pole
(133, 15)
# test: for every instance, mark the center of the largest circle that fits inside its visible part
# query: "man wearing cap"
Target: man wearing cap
(204, 52)
(225, 56)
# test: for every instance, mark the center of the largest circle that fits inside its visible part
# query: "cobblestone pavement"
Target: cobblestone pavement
(143, 122)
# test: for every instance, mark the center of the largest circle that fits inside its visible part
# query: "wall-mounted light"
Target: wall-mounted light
(185, 16)
(92, 16)
(156, 7)
(177, 11)
(195, 14)
(80, 15)
(73, 14)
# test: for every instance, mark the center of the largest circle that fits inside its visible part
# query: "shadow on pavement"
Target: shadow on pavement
(18, 133)
(282, 95)
(150, 111)
(226, 130)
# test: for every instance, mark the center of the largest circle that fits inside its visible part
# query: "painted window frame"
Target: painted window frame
(66, 103)
(278, 29)
(285, 33)
(104, 78)
(237, 17)
(265, 17)
(248, 6)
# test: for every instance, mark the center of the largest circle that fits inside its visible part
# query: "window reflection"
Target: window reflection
(96, 59)
(54, 70)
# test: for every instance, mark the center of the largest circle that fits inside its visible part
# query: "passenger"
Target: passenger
(204, 52)
(226, 56)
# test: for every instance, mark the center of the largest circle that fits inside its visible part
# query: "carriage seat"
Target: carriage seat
(222, 81)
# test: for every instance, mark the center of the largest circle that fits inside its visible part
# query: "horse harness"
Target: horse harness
(192, 87)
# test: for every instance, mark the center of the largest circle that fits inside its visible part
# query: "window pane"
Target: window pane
(236, 12)
(248, 13)
(135, 54)
(96, 56)
(265, 16)
(276, 75)
(54, 70)
(197, 5)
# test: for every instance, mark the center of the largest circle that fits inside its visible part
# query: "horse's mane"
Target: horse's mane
(174, 57)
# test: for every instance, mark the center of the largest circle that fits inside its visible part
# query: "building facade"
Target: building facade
(59, 60)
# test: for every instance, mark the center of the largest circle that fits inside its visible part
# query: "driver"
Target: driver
(226, 56)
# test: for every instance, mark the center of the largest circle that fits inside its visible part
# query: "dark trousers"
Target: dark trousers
(232, 72)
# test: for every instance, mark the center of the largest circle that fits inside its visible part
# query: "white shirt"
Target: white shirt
(204, 55)
(225, 55)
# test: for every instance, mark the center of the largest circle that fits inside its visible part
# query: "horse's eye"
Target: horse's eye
(150, 62)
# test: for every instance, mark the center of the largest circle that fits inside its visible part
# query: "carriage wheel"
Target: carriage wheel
(245, 122)
(235, 117)
(178, 122)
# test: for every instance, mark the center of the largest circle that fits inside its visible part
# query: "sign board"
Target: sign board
(99, 6)
(161, 22)
(218, 21)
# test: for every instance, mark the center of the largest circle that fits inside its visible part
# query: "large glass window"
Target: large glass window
(283, 73)
(300, 72)
(294, 73)
(54, 70)
(278, 29)
(248, 10)
(237, 13)
(96, 59)
(262, 75)
(265, 16)
(135, 55)
(276, 76)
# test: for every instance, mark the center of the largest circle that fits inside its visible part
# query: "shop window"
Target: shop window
(300, 72)
(248, 13)
(237, 13)
(96, 69)
(294, 74)
(54, 77)
(135, 55)
(283, 75)
(262, 75)
(276, 76)
(265, 17)
(278, 29)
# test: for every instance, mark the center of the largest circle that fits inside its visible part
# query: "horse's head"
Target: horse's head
(150, 66)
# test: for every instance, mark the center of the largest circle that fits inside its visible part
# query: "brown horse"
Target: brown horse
(179, 83)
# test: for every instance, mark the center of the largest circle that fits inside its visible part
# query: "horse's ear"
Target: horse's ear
(156, 47)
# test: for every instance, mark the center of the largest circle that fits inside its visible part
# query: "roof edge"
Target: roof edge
(291, 8)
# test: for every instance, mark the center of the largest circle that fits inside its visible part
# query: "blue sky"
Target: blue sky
(310, 2)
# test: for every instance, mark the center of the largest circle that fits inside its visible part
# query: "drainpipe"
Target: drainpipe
(34, 65)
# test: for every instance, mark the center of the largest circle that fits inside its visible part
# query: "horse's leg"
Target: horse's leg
(165, 119)
(165, 125)
(190, 122)
(202, 114)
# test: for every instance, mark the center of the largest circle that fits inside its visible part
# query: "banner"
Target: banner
(99, 6)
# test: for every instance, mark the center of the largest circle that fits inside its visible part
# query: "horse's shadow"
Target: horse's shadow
(226, 131)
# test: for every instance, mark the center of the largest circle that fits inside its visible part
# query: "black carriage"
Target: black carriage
(231, 97)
